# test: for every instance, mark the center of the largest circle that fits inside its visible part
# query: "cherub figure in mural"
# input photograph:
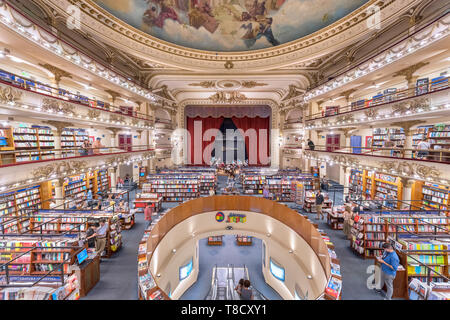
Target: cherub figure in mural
(158, 11)
(258, 28)
(201, 15)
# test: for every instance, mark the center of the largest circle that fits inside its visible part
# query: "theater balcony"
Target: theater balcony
(25, 173)
(431, 165)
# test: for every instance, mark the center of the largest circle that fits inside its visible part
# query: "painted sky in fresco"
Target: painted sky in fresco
(229, 25)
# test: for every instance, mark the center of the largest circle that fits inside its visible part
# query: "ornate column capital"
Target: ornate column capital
(59, 125)
(114, 95)
(114, 130)
(408, 72)
(57, 72)
(406, 125)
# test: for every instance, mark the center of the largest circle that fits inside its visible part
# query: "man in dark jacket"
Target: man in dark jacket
(311, 144)
(319, 203)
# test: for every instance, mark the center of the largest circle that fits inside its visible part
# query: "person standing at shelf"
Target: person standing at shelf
(311, 144)
(347, 227)
(246, 292)
(120, 182)
(266, 191)
(97, 145)
(388, 145)
(101, 234)
(90, 236)
(211, 192)
(148, 212)
(85, 146)
(319, 203)
(89, 198)
(423, 146)
(389, 265)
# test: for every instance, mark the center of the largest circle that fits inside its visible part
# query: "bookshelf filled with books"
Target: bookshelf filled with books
(71, 139)
(39, 139)
(102, 181)
(17, 203)
(6, 144)
(435, 196)
(47, 255)
(388, 189)
(370, 231)
(175, 188)
(146, 198)
(75, 221)
(356, 182)
(432, 254)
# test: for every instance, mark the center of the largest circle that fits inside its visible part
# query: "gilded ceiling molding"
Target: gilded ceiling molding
(252, 84)
(228, 97)
(416, 41)
(204, 84)
(337, 33)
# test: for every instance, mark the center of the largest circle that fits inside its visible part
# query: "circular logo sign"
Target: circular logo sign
(220, 217)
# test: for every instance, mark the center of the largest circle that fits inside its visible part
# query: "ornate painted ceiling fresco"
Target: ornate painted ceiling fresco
(229, 25)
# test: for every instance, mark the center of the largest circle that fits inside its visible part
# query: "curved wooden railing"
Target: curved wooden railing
(280, 212)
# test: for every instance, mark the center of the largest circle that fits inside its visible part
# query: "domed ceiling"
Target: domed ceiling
(229, 25)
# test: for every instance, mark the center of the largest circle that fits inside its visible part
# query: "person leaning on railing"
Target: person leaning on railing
(423, 146)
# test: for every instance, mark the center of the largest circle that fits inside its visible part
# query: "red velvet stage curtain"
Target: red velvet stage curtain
(196, 145)
(257, 140)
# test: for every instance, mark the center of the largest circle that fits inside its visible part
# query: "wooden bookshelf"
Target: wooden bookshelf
(44, 258)
(388, 187)
(435, 196)
(7, 139)
(372, 230)
(176, 188)
(432, 253)
(40, 139)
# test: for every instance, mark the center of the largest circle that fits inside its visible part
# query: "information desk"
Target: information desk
(88, 274)
(400, 285)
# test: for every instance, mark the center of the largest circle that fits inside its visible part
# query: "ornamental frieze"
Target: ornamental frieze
(9, 95)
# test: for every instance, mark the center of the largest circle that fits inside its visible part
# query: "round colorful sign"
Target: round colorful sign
(220, 217)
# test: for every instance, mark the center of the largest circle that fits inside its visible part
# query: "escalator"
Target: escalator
(224, 281)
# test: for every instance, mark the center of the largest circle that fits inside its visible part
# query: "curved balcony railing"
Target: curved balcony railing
(429, 155)
(62, 94)
(289, 217)
(384, 99)
(8, 158)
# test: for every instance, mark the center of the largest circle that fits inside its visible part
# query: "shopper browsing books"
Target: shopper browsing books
(100, 237)
(97, 146)
(389, 264)
(319, 203)
(423, 146)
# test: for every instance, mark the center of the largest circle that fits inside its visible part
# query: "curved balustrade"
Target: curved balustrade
(36, 87)
(288, 217)
(8, 158)
(428, 155)
(383, 99)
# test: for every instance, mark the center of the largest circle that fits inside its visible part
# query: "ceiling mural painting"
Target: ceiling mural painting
(230, 25)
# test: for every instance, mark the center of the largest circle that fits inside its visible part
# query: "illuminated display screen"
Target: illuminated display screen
(186, 270)
(277, 271)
